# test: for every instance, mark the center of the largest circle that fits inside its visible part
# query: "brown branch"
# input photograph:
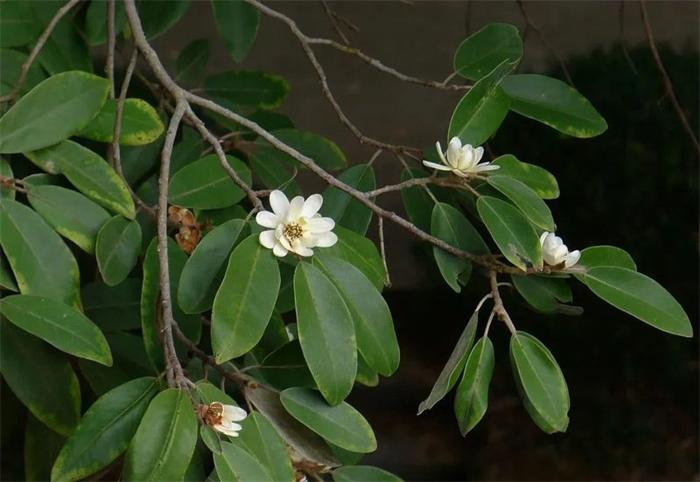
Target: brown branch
(334, 22)
(382, 250)
(423, 181)
(111, 46)
(24, 70)
(668, 85)
(498, 307)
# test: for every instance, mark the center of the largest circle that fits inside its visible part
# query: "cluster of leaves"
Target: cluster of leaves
(301, 333)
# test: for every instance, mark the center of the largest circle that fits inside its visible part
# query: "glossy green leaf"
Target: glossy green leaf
(191, 64)
(366, 375)
(237, 22)
(18, 25)
(250, 88)
(245, 300)
(11, 63)
(159, 16)
(326, 332)
(88, 172)
(455, 365)
(345, 210)
(113, 308)
(95, 28)
(525, 199)
(64, 50)
(52, 111)
(164, 441)
(472, 397)
(486, 49)
(513, 234)
(341, 424)
(482, 109)
(6, 171)
(536, 178)
(597, 256)
(285, 367)
(42, 264)
(543, 293)
(52, 392)
(141, 123)
(259, 437)
(210, 438)
(450, 225)
(541, 382)
(639, 296)
(553, 103)
(204, 269)
(360, 252)
(41, 447)
(374, 327)
(105, 430)
(238, 465)
(117, 249)
(208, 393)
(58, 324)
(363, 473)
(71, 214)
(273, 172)
(204, 184)
(323, 151)
(7, 281)
(416, 201)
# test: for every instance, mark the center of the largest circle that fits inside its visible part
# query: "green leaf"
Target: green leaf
(89, 173)
(164, 442)
(326, 332)
(11, 63)
(95, 21)
(52, 392)
(543, 293)
(52, 111)
(541, 382)
(455, 364)
(324, 151)
(374, 328)
(360, 252)
(113, 308)
(250, 88)
(482, 109)
(597, 256)
(236, 464)
(536, 178)
(7, 281)
(525, 199)
(237, 22)
(259, 438)
(105, 430)
(211, 439)
(346, 211)
(191, 64)
(42, 264)
(366, 375)
(65, 49)
(272, 171)
(158, 16)
(141, 124)
(71, 214)
(416, 201)
(60, 325)
(513, 234)
(117, 249)
(554, 103)
(41, 446)
(285, 367)
(639, 296)
(472, 396)
(363, 473)
(6, 170)
(450, 225)
(204, 184)
(210, 394)
(341, 424)
(486, 49)
(245, 300)
(204, 269)
(18, 26)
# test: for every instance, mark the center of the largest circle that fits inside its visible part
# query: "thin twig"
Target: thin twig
(24, 70)
(498, 307)
(668, 85)
(382, 250)
(111, 45)
(334, 22)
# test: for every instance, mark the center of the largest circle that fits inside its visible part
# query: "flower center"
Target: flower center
(292, 231)
(213, 414)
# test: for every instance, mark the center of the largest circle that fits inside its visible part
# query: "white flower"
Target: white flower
(223, 418)
(555, 252)
(295, 226)
(461, 160)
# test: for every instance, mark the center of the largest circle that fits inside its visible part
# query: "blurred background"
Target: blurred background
(634, 390)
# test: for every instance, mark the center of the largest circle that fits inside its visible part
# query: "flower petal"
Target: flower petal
(326, 240)
(478, 153)
(440, 153)
(312, 205)
(439, 167)
(279, 203)
(320, 225)
(268, 239)
(225, 430)
(295, 208)
(543, 236)
(267, 219)
(279, 250)
(572, 258)
(233, 413)
(486, 167)
(300, 249)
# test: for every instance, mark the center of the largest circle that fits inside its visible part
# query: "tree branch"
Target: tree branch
(498, 307)
(111, 46)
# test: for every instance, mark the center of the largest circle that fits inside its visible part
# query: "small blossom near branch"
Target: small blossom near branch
(462, 161)
(222, 418)
(555, 252)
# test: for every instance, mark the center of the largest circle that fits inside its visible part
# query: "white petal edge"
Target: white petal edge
(234, 413)
(279, 250)
(572, 258)
(326, 240)
(439, 167)
(267, 219)
(279, 203)
(267, 239)
(312, 205)
(320, 225)
(440, 153)
(296, 205)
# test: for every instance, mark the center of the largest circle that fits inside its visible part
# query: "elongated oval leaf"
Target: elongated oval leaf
(416, 201)
(58, 324)
(191, 64)
(113, 308)
(360, 252)
(52, 392)
(52, 111)
(65, 49)
(259, 438)
(524, 199)
(597, 256)
(165, 439)
(341, 424)
(88, 172)
(639, 296)
(512, 233)
(249, 88)
(285, 367)
(244, 302)
(535, 177)
(238, 465)
(42, 264)
(553, 103)
(18, 25)
(158, 16)
(326, 332)
(347, 211)
(541, 382)
(363, 473)
(11, 63)
(472, 396)
(117, 249)
(41, 447)
(140, 123)
(237, 22)
(544, 294)
(105, 430)
(71, 214)
(324, 151)
(95, 25)
(374, 328)
(204, 184)
(484, 50)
